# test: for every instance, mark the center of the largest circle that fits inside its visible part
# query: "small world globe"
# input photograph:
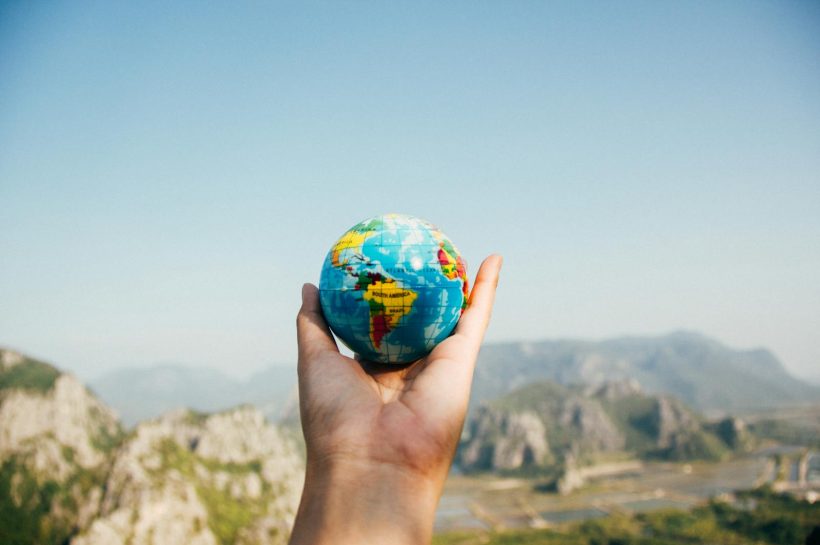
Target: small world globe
(393, 287)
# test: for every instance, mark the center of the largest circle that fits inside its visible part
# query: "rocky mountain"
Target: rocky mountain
(701, 371)
(200, 479)
(56, 441)
(69, 474)
(546, 426)
(141, 393)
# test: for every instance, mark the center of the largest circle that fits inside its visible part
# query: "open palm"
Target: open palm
(407, 417)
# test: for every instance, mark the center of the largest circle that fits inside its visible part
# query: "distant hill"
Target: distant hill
(701, 371)
(552, 427)
(141, 393)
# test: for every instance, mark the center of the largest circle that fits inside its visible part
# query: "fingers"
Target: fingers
(312, 333)
(444, 383)
(476, 318)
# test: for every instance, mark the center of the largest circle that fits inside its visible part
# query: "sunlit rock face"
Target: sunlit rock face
(203, 479)
(506, 440)
(557, 430)
(535, 426)
(69, 474)
(56, 440)
(66, 414)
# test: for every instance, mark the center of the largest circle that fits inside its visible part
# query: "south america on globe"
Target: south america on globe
(393, 287)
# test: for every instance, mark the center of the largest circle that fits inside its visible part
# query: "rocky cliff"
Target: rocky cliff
(70, 475)
(200, 479)
(56, 441)
(551, 427)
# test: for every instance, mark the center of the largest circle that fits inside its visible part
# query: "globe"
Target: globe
(393, 287)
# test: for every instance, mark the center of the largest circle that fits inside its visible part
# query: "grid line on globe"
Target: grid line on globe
(392, 287)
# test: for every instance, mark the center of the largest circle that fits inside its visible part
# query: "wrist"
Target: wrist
(364, 501)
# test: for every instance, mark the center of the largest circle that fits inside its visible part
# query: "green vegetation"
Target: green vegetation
(756, 517)
(546, 394)
(638, 417)
(30, 375)
(699, 445)
(634, 414)
(37, 511)
(790, 433)
(226, 514)
(254, 466)
(106, 438)
(195, 418)
(25, 507)
(106, 442)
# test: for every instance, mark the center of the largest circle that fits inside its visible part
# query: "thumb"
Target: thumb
(312, 333)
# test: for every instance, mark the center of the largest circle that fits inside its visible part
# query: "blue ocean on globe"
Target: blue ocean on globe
(393, 287)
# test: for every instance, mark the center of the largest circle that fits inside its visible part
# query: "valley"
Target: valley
(488, 502)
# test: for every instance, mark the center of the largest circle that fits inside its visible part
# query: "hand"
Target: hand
(380, 439)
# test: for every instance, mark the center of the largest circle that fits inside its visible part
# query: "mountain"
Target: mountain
(70, 475)
(547, 426)
(56, 442)
(689, 366)
(226, 478)
(700, 371)
(141, 393)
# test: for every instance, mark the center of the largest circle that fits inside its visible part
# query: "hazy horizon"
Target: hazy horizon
(171, 175)
(248, 372)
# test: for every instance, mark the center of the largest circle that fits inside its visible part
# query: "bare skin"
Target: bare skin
(380, 439)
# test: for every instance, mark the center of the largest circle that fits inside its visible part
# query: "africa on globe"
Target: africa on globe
(392, 288)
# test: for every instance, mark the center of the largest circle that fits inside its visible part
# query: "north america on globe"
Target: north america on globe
(392, 287)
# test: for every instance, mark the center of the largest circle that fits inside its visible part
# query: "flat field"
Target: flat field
(492, 503)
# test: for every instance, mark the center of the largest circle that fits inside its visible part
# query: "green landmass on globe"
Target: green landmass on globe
(392, 287)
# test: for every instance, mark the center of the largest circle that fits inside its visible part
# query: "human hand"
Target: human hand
(380, 438)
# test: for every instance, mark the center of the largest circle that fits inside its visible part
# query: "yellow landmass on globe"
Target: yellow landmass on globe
(389, 303)
(352, 240)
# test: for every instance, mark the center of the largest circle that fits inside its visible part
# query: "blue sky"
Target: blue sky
(170, 175)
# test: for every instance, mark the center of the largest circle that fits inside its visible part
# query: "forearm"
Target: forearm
(365, 503)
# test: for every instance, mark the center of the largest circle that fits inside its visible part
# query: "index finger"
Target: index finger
(476, 318)
(444, 382)
(465, 342)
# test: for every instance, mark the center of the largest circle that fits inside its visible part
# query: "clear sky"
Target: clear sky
(171, 174)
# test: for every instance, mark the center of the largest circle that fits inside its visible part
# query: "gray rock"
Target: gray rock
(592, 427)
(173, 478)
(506, 440)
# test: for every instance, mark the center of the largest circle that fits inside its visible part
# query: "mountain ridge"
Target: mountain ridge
(142, 393)
(689, 365)
(680, 363)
